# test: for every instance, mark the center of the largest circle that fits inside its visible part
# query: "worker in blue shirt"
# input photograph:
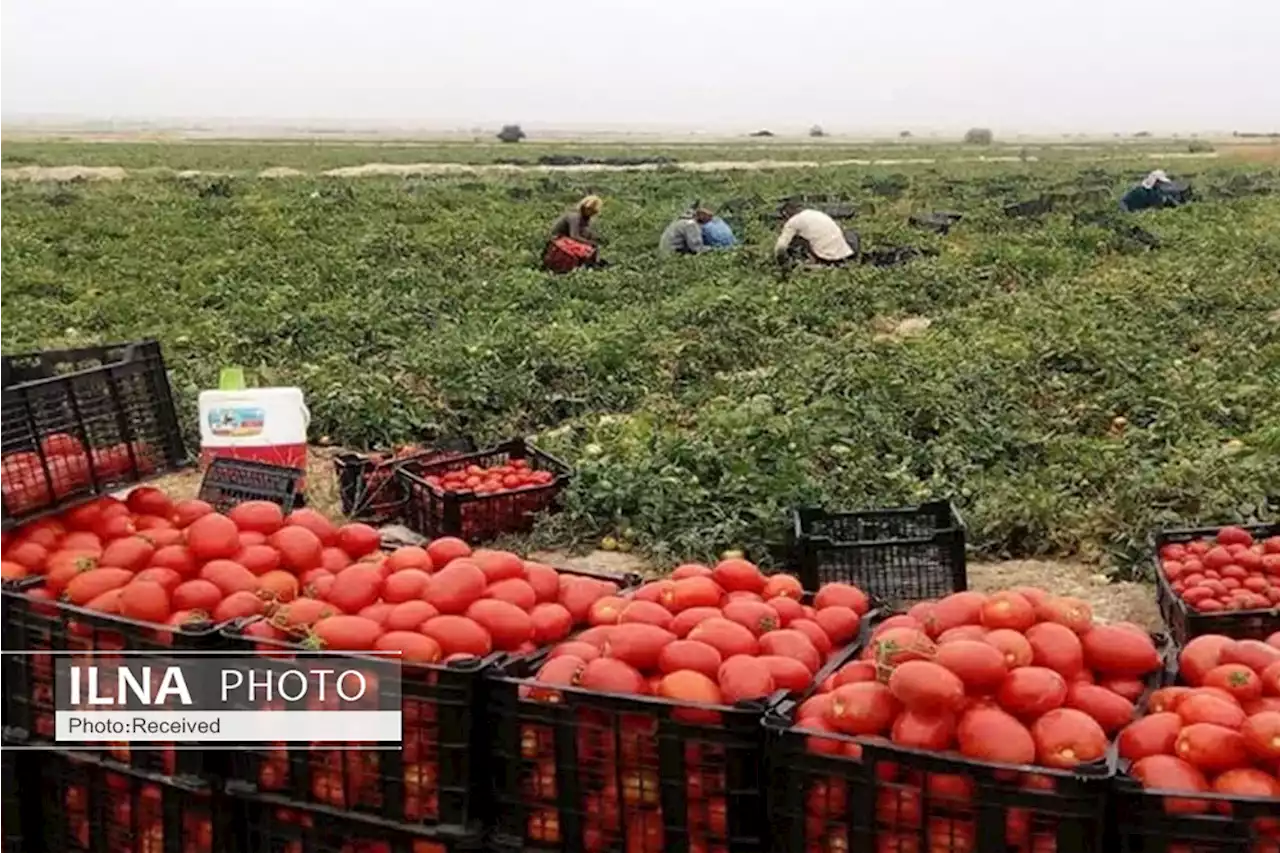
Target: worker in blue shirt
(717, 234)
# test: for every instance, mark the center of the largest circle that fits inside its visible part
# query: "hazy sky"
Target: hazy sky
(851, 65)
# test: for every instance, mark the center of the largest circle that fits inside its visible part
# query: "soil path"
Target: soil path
(116, 173)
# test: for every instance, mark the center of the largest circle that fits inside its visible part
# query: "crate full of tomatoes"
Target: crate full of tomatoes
(478, 496)
(445, 611)
(644, 733)
(84, 422)
(150, 574)
(367, 483)
(1219, 581)
(975, 722)
(1201, 769)
(90, 805)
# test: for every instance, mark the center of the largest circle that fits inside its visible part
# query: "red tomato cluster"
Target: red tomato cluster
(439, 603)
(27, 487)
(133, 814)
(1219, 733)
(511, 477)
(1014, 677)
(1229, 572)
(704, 637)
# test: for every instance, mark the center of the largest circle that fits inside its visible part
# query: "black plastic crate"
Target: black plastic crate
(1143, 824)
(476, 517)
(81, 423)
(912, 801)
(439, 777)
(367, 483)
(33, 623)
(587, 771)
(93, 806)
(433, 780)
(274, 825)
(230, 481)
(20, 796)
(894, 555)
(1186, 623)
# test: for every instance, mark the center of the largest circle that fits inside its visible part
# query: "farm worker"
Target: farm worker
(717, 234)
(1149, 193)
(573, 241)
(684, 235)
(811, 234)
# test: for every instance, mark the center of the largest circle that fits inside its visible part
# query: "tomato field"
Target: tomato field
(1074, 387)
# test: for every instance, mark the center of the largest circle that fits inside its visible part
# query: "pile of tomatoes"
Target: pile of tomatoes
(1217, 733)
(1016, 677)
(1229, 572)
(70, 467)
(704, 638)
(516, 474)
(167, 567)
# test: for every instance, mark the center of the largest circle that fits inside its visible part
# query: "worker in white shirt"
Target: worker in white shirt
(812, 234)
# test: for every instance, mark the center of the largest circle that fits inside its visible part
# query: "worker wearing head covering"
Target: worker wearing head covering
(683, 236)
(576, 222)
(1155, 190)
(574, 242)
(811, 234)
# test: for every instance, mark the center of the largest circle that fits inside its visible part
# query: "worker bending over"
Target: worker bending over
(812, 235)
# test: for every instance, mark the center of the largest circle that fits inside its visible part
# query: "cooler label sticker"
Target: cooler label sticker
(237, 422)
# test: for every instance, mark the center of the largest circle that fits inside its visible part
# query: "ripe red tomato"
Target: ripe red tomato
(358, 539)
(1168, 773)
(458, 635)
(1056, 647)
(229, 576)
(639, 644)
(237, 605)
(738, 575)
(346, 633)
(933, 731)
(552, 622)
(196, 594)
(1111, 710)
(507, 625)
(1261, 734)
(1066, 737)
(257, 516)
(842, 595)
(981, 666)
(1237, 679)
(444, 550)
(175, 557)
(927, 688)
(145, 601)
(1211, 748)
(188, 511)
(315, 522)
(299, 546)
(989, 734)
(862, 708)
(1154, 734)
(412, 646)
(355, 588)
(1008, 610)
(1030, 691)
(213, 537)
(455, 587)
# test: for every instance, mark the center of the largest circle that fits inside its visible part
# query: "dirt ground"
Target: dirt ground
(116, 173)
(1124, 601)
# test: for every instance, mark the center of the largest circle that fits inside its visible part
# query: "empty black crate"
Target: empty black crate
(878, 802)
(367, 483)
(230, 481)
(91, 805)
(579, 771)
(1184, 621)
(435, 779)
(476, 517)
(46, 630)
(274, 825)
(85, 422)
(895, 555)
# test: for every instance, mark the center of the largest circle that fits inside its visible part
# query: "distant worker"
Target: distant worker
(811, 235)
(1155, 190)
(574, 242)
(684, 235)
(717, 234)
